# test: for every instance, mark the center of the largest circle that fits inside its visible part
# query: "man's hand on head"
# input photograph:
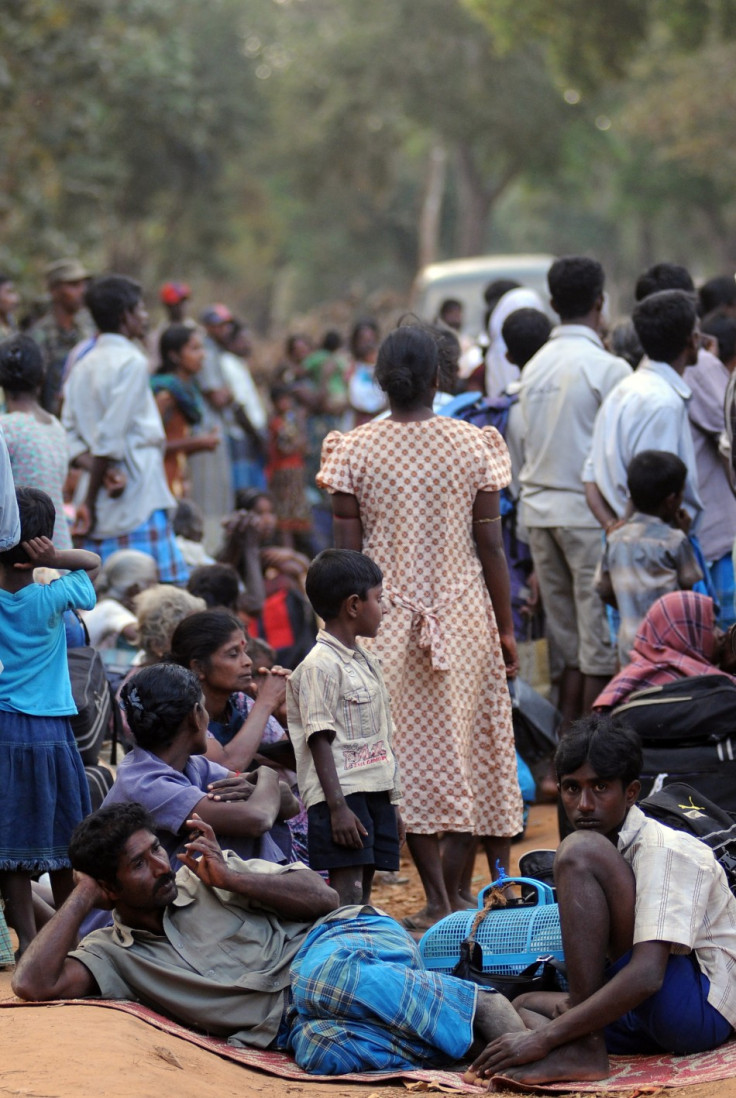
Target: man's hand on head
(92, 890)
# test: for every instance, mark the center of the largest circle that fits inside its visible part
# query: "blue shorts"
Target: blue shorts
(677, 1019)
(380, 845)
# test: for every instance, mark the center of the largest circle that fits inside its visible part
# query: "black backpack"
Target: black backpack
(683, 808)
(685, 713)
(93, 700)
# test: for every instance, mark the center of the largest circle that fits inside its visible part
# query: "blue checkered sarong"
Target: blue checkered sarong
(155, 536)
(363, 1001)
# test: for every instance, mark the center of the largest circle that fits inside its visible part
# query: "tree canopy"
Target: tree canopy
(327, 144)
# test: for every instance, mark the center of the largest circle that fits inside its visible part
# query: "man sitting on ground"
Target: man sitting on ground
(253, 952)
(648, 928)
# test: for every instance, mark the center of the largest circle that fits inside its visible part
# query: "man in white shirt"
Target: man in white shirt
(116, 436)
(649, 409)
(648, 928)
(562, 388)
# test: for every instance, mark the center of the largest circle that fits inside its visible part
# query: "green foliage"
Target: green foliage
(118, 120)
(234, 143)
(591, 43)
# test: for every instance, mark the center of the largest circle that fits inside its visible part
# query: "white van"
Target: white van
(466, 279)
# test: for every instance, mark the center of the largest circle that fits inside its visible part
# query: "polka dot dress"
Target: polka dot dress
(439, 646)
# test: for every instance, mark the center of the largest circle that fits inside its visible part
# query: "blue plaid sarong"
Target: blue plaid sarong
(362, 1000)
(155, 536)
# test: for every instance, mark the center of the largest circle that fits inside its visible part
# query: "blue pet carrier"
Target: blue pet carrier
(511, 938)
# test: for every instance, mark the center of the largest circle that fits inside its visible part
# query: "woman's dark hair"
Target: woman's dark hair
(652, 476)
(407, 364)
(217, 584)
(336, 574)
(575, 284)
(664, 323)
(171, 342)
(109, 298)
(37, 518)
(359, 326)
(21, 365)
(99, 840)
(197, 638)
(612, 749)
(157, 699)
(247, 498)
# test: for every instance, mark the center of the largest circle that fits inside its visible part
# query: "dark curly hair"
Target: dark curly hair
(612, 749)
(157, 699)
(99, 840)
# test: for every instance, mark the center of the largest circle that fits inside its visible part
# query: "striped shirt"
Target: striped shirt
(341, 690)
(682, 897)
(643, 560)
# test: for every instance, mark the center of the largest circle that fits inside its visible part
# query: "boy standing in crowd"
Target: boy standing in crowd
(648, 556)
(340, 726)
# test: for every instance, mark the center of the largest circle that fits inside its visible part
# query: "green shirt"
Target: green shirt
(222, 964)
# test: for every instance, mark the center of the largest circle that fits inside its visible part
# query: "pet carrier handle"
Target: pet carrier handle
(545, 894)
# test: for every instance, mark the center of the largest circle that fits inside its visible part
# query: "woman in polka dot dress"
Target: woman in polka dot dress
(419, 493)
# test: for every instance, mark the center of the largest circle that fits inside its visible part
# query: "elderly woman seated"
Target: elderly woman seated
(159, 610)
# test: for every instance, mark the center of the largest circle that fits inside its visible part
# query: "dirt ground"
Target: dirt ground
(80, 1052)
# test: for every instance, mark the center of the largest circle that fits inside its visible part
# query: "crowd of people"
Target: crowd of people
(304, 599)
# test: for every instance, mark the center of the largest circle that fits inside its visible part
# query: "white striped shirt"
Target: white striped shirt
(682, 897)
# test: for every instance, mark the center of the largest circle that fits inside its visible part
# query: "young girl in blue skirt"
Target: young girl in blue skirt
(45, 792)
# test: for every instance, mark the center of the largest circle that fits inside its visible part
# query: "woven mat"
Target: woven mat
(628, 1073)
(6, 948)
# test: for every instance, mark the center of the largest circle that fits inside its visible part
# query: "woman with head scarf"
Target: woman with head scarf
(499, 371)
(678, 639)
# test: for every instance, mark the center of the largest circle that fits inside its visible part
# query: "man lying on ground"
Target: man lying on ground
(251, 951)
(648, 928)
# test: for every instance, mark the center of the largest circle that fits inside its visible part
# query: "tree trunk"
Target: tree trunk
(429, 217)
(476, 198)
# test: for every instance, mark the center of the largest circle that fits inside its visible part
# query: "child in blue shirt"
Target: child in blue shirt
(45, 792)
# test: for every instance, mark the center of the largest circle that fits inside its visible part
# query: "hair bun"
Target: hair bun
(21, 364)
